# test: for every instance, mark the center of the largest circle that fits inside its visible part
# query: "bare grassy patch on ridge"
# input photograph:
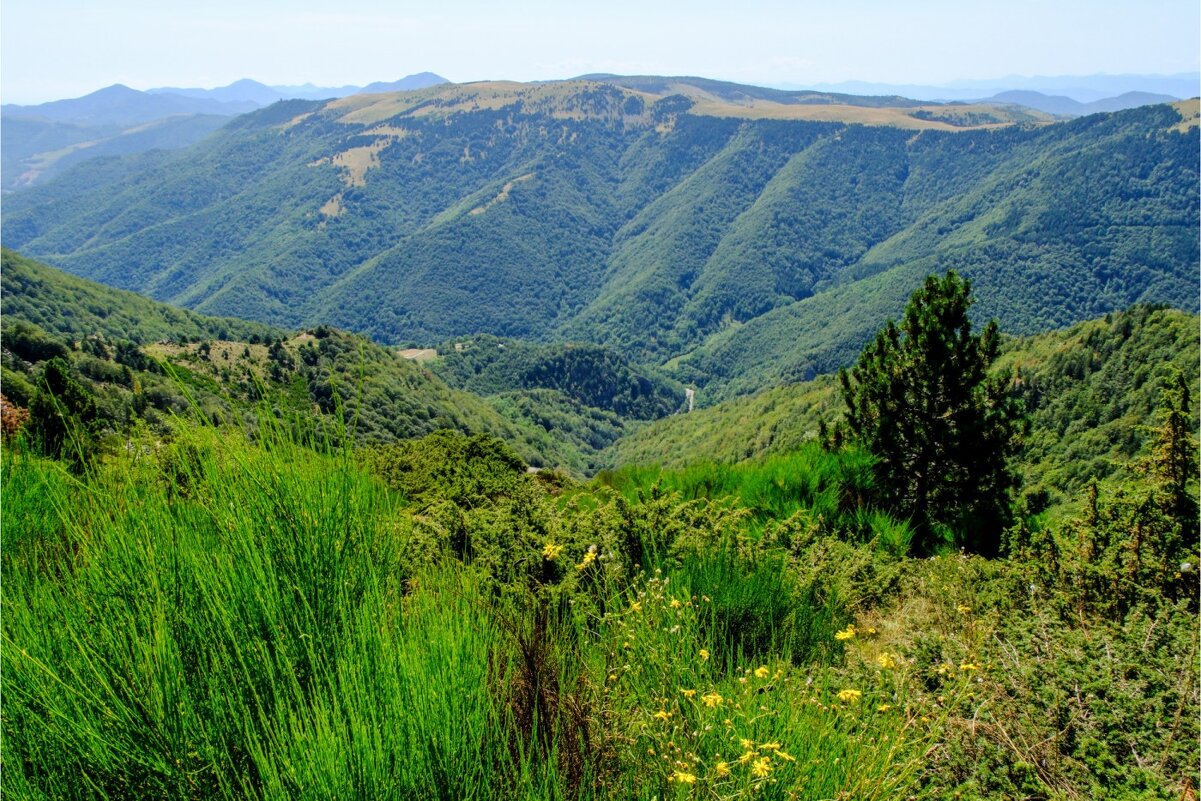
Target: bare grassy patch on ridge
(502, 196)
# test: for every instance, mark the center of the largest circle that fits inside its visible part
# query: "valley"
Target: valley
(555, 440)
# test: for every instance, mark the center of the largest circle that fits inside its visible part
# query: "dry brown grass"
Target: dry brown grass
(418, 354)
(890, 116)
(1190, 114)
(358, 160)
(222, 354)
(333, 207)
(558, 99)
(502, 196)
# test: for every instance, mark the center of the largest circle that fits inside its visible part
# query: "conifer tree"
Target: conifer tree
(62, 414)
(921, 400)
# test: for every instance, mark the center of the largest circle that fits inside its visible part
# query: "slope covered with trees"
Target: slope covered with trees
(633, 218)
(558, 406)
(1090, 392)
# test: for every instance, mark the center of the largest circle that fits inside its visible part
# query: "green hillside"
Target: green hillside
(33, 150)
(660, 218)
(596, 376)
(1091, 392)
(556, 405)
(143, 361)
(215, 615)
(76, 308)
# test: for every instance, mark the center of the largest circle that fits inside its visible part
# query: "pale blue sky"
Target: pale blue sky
(51, 49)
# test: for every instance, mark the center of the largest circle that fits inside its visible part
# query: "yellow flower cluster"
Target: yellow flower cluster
(589, 558)
(846, 634)
(551, 552)
(886, 660)
(849, 696)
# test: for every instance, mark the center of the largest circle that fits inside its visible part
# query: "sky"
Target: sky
(51, 49)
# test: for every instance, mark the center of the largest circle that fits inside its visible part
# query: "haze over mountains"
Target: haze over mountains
(42, 140)
(1081, 88)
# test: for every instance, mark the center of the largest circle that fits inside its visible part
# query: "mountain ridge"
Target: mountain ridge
(585, 210)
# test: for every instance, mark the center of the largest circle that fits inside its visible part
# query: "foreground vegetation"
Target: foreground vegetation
(218, 618)
(230, 570)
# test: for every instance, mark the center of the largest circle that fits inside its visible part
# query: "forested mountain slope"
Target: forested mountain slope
(556, 405)
(1091, 392)
(662, 224)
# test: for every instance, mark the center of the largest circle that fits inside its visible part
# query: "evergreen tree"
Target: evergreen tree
(62, 415)
(943, 431)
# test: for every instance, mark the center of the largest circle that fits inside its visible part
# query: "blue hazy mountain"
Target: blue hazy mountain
(1066, 106)
(120, 105)
(1081, 88)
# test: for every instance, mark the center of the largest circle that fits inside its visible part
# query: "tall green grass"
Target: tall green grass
(216, 618)
(831, 486)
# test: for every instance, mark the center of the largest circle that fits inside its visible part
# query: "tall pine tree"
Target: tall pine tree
(921, 400)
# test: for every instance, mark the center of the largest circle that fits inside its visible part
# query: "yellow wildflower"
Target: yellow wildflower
(761, 768)
(746, 757)
(712, 700)
(772, 746)
(675, 603)
(589, 558)
(551, 552)
(704, 654)
(883, 707)
(849, 696)
(688, 693)
(846, 634)
(944, 669)
(762, 671)
(886, 661)
(727, 723)
(746, 744)
(722, 769)
(683, 778)
(969, 666)
(964, 609)
(635, 606)
(871, 629)
(786, 755)
(662, 714)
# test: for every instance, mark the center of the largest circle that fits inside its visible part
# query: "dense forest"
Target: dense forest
(740, 252)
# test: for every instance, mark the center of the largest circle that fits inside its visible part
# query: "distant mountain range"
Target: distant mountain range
(40, 141)
(120, 105)
(1081, 88)
(1061, 105)
(247, 90)
(735, 236)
